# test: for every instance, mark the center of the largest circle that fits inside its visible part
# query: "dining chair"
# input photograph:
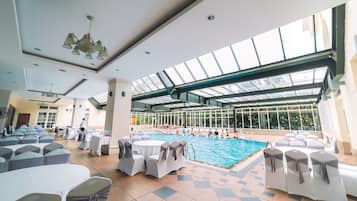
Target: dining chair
(95, 188)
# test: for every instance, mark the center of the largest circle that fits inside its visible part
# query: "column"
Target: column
(79, 110)
(4, 102)
(117, 119)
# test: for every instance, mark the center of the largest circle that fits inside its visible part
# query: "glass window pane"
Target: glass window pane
(255, 120)
(156, 81)
(233, 88)
(149, 83)
(185, 74)
(269, 47)
(320, 74)
(247, 86)
(245, 54)
(295, 121)
(142, 85)
(307, 120)
(210, 65)
(263, 118)
(323, 27)
(263, 84)
(174, 76)
(138, 88)
(196, 69)
(283, 120)
(303, 77)
(246, 120)
(298, 38)
(226, 60)
(281, 81)
(273, 120)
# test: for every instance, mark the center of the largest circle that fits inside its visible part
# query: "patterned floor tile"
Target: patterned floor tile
(224, 192)
(250, 199)
(184, 177)
(294, 197)
(164, 192)
(202, 184)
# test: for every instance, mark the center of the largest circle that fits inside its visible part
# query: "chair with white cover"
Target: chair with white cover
(41, 197)
(157, 164)
(3, 165)
(5, 152)
(18, 133)
(9, 141)
(296, 143)
(275, 176)
(145, 137)
(27, 148)
(46, 139)
(315, 144)
(58, 156)
(298, 176)
(95, 188)
(25, 160)
(282, 142)
(349, 177)
(129, 163)
(29, 139)
(51, 147)
(326, 183)
(173, 163)
(181, 160)
(85, 141)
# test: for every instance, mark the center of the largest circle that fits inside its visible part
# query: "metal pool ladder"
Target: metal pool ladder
(190, 145)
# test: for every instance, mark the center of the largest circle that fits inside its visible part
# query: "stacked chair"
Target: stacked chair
(290, 172)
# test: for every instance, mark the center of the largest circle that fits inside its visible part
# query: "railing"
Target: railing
(187, 153)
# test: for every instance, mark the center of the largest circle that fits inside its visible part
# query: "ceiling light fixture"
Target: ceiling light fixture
(35, 64)
(37, 49)
(50, 93)
(117, 69)
(86, 44)
(147, 52)
(62, 70)
(210, 17)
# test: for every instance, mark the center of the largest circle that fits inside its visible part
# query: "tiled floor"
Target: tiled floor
(194, 182)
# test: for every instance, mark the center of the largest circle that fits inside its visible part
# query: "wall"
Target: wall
(24, 106)
(64, 115)
(4, 100)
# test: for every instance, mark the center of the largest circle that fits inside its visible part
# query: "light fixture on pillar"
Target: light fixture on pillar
(86, 44)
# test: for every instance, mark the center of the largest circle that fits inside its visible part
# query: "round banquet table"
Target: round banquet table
(56, 179)
(148, 147)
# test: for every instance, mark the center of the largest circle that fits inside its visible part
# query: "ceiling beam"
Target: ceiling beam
(280, 104)
(267, 91)
(167, 103)
(338, 39)
(311, 61)
(154, 94)
(274, 100)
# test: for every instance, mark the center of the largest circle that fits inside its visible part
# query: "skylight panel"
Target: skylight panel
(174, 76)
(201, 93)
(247, 86)
(281, 81)
(245, 54)
(183, 71)
(156, 80)
(210, 65)
(101, 98)
(142, 85)
(196, 69)
(304, 92)
(149, 83)
(221, 90)
(263, 84)
(226, 60)
(234, 88)
(303, 77)
(323, 27)
(269, 47)
(298, 38)
(138, 87)
(320, 74)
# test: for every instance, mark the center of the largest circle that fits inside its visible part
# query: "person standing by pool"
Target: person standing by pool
(216, 133)
(209, 133)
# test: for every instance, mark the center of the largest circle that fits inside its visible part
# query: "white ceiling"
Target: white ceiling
(26, 24)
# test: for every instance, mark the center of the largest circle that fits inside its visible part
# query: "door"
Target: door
(23, 118)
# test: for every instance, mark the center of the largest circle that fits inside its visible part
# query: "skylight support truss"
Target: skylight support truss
(292, 98)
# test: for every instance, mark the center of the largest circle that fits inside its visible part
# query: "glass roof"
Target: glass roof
(286, 42)
(285, 80)
(276, 102)
(101, 98)
(178, 105)
(147, 84)
(158, 100)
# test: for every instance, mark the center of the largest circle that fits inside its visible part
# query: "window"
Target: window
(255, 119)
(269, 47)
(210, 65)
(47, 117)
(263, 118)
(226, 60)
(283, 120)
(196, 69)
(245, 53)
(273, 119)
(295, 120)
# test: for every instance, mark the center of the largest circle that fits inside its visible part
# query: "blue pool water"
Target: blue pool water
(215, 151)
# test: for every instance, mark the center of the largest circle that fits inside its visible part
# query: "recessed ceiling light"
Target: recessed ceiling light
(84, 74)
(62, 70)
(147, 52)
(35, 64)
(117, 69)
(92, 64)
(9, 72)
(37, 49)
(210, 17)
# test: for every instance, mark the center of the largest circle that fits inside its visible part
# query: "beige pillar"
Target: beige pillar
(79, 110)
(4, 102)
(117, 119)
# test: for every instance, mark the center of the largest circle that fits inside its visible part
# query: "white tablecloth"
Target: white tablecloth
(58, 179)
(148, 147)
(96, 143)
